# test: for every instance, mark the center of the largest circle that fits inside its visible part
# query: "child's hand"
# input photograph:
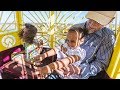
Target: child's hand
(42, 70)
(60, 72)
(71, 69)
(63, 49)
(66, 71)
(39, 73)
(38, 58)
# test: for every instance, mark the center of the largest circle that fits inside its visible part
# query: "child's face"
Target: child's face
(74, 39)
(25, 32)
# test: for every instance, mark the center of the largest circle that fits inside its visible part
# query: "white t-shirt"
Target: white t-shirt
(76, 51)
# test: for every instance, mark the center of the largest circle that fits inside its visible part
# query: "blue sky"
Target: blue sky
(62, 16)
(77, 15)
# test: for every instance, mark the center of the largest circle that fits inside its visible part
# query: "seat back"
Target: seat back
(114, 66)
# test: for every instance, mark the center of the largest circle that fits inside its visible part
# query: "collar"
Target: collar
(66, 46)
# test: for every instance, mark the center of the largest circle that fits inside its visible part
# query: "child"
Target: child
(69, 55)
(32, 44)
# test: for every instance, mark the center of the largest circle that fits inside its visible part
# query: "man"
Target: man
(98, 44)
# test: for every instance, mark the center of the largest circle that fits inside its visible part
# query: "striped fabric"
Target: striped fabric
(30, 49)
(99, 48)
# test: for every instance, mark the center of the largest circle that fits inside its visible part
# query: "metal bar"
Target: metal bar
(29, 19)
(1, 15)
(52, 36)
(6, 20)
(117, 69)
(115, 58)
(62, 17)
(33, 16)
(41, 20)
(19, 20)
(69, 16)
(116, 25)
(57, 16)
(42, 15)
(46, 14)
(9, 25)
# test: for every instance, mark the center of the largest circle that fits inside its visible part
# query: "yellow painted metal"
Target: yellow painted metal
(118, 31)
(6, 20)
(1, 15)
(51, 29)
(19, 22)
(19, 19)
(114, 65)
(117, 69)
(9, 38)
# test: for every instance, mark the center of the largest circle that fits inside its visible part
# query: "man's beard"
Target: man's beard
(92, 30)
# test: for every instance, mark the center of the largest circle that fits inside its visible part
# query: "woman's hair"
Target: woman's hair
(81, 31)
(31, 33)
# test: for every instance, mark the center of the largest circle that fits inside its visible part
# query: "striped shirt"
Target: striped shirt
(30, 49)
(99, 47)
